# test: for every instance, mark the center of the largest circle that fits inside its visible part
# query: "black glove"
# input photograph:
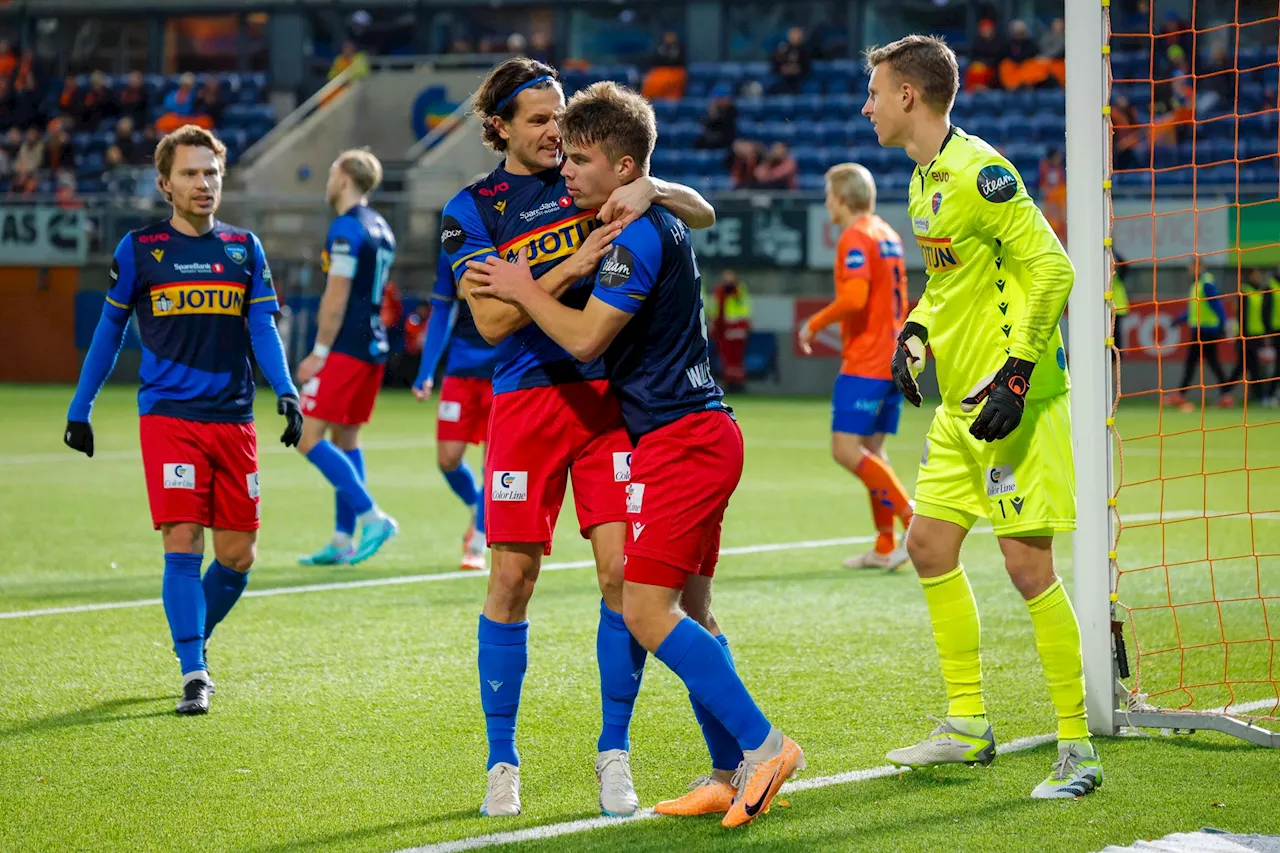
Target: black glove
(908, 361)
(288, 406)
(1006, 395)
(79, 436)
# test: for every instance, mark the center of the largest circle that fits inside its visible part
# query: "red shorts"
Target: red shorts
(199, 472)
(463, 413)
(344, 390)
(682, 477)
(537, 437)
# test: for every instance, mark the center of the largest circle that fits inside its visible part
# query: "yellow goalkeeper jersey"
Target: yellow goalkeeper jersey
(998, 275)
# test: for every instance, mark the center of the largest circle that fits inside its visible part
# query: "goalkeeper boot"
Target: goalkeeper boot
(617, 791)
(328, 555)
(1076, 772)
(373, 536)
(473, 550)
(947, 745)
(873, 559)
(758, 781)
(502, 799)
(195, 693)
(707, 795)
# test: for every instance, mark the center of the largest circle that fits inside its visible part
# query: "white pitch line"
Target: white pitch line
(1172, 515)
(573, 827)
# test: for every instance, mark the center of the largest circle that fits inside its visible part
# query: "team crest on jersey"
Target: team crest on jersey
(236, 252)
(937, 202)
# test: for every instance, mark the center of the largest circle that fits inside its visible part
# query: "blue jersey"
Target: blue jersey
(470, 355)
(361, 247)
(192, 296)
(659, 365)
(505, 214)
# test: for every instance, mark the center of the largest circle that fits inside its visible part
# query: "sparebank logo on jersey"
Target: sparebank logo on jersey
(939, 254)
(211, 297)
(199, 269)
(546, 207)
(1000, 481)
(558, 240)
(510, 486)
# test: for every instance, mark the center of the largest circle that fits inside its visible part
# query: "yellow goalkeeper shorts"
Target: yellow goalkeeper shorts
(1024, 483)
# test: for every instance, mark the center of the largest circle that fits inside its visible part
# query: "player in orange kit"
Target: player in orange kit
(870, 304)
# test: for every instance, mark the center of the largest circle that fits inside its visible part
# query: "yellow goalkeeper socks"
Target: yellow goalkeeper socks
(954, 614)
(1058, 641)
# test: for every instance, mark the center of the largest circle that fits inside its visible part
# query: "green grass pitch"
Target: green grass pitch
(348, 719)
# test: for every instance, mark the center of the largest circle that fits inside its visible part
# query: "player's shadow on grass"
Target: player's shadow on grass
(112, 711)
(324, 842)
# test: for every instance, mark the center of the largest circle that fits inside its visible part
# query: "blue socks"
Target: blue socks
(725, 752)
(338, 469)
(462, 482)
(621, 661)
(503, 659)
(703, 665)
(184, 608)
(480, 495)
(344, 515)
(222, 588)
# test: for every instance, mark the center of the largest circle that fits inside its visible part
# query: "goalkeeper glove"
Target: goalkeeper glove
(288, 406)
(908, 361)
(1005, 393)
(79, 436)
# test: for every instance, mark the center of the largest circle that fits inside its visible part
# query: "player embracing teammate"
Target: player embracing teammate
(645, 318)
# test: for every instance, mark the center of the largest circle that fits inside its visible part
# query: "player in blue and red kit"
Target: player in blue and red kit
(341, 377)
(553, 416)
(645, 317)
(202, 292)
(466, 396)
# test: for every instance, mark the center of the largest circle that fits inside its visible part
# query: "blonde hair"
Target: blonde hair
(853, 184)
(362, 167)
(190, 135)
(926, 62)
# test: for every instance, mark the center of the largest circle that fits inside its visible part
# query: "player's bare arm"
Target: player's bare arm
(496, 319)
(333, 307)
(629, 202)
(585, 334)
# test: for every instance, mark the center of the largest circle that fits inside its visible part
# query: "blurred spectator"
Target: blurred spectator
(144, 155)
(351, 57)
(459, 45)
(792, 60)
(667, 76)
(133, 102)
(58, 153)
(90, 107)
(180, 107)
(542, 49)
(1026, 65)
(1053, 44)
(1216, 85)
(516, 43)
(6, 158)
(1174, 32)
(26, 101)
(1012, 70)
(985, 55)
(65, 190)
(6, 102)
(1053, 191)
(719, 125)
(1128, 136)
(1173, 100)
(31, 154)
(25, 182)
(209, 102)
(8, 60)
(730, 311)
(779, 170)
(27, 66)
(116, 177)
(124, 140)
(747, 154)
(486, 44)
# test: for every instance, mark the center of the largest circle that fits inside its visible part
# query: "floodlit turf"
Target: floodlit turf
(349, 719)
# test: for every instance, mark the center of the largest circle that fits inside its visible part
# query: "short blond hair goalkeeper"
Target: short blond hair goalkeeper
(1000, 444)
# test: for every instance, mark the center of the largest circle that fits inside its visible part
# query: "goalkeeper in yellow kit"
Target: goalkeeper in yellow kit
(1000, 444)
